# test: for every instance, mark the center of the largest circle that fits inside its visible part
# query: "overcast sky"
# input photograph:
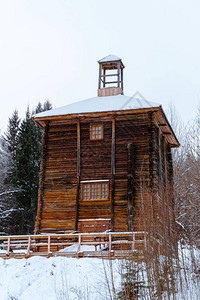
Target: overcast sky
(49, 50)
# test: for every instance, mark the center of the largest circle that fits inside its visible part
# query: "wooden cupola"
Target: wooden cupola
(110, 76)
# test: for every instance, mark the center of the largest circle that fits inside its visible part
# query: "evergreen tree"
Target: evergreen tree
(23, 141)
(10, 212)
(28, 163)
(28, 160)
(11, 144)
(38, 108)
(47, 105)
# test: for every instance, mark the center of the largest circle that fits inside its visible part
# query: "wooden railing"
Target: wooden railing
(107, 244)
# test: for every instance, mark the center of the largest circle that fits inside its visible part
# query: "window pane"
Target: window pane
(95, 191)
(104, 193)
(86, 191)
(96, 132)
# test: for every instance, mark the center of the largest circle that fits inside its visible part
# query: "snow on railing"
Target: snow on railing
(73, 244)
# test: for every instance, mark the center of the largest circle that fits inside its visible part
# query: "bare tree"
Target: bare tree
(187, 174)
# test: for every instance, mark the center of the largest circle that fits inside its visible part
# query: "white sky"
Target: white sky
(49, 50)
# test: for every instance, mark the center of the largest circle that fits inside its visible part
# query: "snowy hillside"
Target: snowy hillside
(55, 278)
(60, 278)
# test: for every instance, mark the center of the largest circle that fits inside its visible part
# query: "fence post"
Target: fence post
(29, 246)
(145, 241)
(79, 243)
(8, 248)
(49, 244)
(133, 242)
(110, 242)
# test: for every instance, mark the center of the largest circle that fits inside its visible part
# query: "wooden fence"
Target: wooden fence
(107, 244)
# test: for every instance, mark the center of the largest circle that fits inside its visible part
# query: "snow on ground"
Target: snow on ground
(61, 278)
(56, 278)
(74, 248)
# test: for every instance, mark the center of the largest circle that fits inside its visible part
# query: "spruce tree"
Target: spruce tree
(23, 141)
(47, 105)
(10, 212)
(28, 164)
(38, 108)
(28, 160)
(11, 145)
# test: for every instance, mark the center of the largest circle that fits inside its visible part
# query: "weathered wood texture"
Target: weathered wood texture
(42, 179)
(78, 173)
(131, 186)
(114, 245)
(164, 219)
(142, 203)
(95, 165)
(109, 91)
(60, 186)
(112, 193)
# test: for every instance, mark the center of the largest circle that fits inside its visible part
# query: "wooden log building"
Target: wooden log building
(107, 163)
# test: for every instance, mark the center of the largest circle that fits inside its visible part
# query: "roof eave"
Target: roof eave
(166, 128)
(112, 61)
(159, 115)
(96, 114)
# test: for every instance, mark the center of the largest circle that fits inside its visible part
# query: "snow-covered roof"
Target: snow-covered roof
(99, 104)
(110, 57)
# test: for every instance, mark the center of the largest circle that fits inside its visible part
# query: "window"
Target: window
(96, 132)
(95, 191)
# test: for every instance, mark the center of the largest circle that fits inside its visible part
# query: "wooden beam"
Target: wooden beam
(161, 119)
(42, 179)
(108, 75)
(133, 242)
(29, 246)
(104, 79)
(49, 244)
(113, 174)
(109, 82)
(78, 172)
(167, 133)
(122, 83)
(8, 247)
(118, 73)
(151, 168)
(99, 114)
(110, 243)
(131, 161)
(99, 76)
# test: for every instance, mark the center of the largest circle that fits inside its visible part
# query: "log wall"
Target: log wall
(95, 165)
(69, 161)
(60, 183)
(164, 191)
